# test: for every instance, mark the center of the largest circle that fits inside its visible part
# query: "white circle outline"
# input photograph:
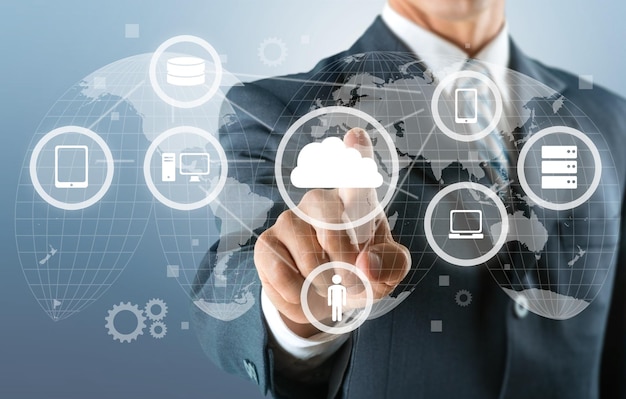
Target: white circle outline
(429, 231)
(148, 174)
(395, 168)
(356, 323)
(596, 176)
(434, 105)
(108, 179)
(159, 52)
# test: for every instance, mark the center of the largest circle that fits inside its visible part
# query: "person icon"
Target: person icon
(337, 298)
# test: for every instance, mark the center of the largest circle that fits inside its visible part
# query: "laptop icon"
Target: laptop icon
(466, 224)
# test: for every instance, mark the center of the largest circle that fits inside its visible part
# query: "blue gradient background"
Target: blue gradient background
(47, 46)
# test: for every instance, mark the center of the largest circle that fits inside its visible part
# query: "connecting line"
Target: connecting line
(401, 183)
(268, 127)
(406, 192)
(255, 235)
(321, 83)
(419, 111)
(116, 161)
(242, 109)
(116, 104)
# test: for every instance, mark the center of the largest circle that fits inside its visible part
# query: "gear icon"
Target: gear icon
(162, 330)
(275, 61)
(125, 307)
(463, 298)
(162, 309)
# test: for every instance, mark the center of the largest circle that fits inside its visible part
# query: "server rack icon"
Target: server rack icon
(559, 167)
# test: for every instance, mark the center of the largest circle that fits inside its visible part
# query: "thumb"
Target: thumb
(358, 202)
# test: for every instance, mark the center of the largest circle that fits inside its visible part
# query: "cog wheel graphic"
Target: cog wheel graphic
(272, 41)
(463, 298)
(125, 307)
(158, 334)
(162, 309)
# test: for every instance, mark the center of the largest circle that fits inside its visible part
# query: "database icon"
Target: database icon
(186, 71)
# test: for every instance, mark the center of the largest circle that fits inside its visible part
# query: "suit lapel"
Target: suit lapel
(521, 63)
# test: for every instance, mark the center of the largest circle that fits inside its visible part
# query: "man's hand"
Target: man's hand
(291, 249)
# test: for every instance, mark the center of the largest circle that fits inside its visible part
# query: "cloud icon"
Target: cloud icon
(330, 164)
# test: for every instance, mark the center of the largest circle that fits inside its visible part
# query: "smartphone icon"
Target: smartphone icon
(466, 105)
(71, 166)
(168, 167)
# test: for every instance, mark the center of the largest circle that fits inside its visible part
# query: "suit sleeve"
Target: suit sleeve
(253, 123)
(613, 368)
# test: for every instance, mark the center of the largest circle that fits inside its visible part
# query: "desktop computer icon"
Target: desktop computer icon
(194, 165)
(466, 224)
(168, 167)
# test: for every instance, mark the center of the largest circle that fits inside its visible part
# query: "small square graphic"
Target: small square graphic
(436, 326)
(184, 325)
(305, 39)
(173, 271)
(444, 280)
(585, 82)
(507, 266)
(100, 83)
(115, 116)
(131, 31)
(224, 58)
(467, 45)
(195, 242)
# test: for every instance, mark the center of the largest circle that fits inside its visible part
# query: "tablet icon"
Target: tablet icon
(466, 105)
(466, 224)
(71, 166)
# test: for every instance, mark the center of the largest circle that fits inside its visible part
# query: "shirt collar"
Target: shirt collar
(436, 51)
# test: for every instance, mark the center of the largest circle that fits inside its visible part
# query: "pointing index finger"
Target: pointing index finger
(359, 202)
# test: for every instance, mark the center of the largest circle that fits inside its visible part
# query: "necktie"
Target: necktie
(475, 100)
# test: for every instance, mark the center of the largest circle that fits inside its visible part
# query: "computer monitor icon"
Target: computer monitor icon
(194, 164)
(466, 224)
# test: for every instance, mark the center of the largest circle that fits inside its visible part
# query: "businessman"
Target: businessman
(496, 349)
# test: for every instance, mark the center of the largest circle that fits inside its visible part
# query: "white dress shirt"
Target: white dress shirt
(436, 53)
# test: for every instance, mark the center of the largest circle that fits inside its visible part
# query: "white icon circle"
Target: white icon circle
(522, 173)
(73, 206)
(446, 82)
(354, 324)
(395, 168)
(461, 261)
(152, 71)
(212, 194)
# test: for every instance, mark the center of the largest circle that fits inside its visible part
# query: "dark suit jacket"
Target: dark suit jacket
(488, 351)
